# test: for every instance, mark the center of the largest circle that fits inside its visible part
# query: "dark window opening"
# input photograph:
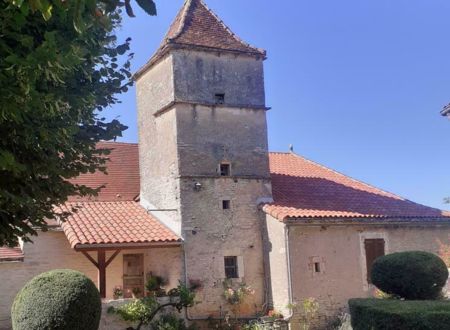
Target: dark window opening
(317, 267)
(225, 170)
(374, 249)
(226, 205)
(231, 267)
(219, 98)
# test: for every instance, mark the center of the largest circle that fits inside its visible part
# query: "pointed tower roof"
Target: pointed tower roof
(197, 27)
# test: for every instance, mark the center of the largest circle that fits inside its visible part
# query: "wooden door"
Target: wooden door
(133, 274)
(374, 249)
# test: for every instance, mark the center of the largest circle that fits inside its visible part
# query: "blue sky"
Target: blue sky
(354, 85)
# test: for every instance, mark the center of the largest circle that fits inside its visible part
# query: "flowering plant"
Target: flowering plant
(117, 292)
(235, 296)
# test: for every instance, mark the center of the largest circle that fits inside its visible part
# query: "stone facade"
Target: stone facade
(183, 141)
(341, 254)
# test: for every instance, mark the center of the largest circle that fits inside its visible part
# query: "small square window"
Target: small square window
(225, 169)
(219, 98)
(231, 267)
(226, 204)
(317, 267)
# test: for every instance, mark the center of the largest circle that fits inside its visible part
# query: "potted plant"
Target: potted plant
(154, 283)
(117, 292)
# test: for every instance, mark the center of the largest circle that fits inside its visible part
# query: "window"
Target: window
(231, 267)
(226, 204)
(374, 249)
(317, 267)
(225, 169)
(219, 98)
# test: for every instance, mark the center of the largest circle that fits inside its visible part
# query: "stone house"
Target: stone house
(200, 198)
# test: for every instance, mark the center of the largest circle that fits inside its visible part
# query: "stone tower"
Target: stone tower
(203, 152)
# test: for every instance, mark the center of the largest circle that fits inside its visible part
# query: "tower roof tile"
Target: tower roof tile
(197, 27)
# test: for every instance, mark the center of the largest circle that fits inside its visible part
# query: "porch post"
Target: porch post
(101, 260)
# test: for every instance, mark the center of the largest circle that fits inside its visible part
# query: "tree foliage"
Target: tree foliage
(61, 67)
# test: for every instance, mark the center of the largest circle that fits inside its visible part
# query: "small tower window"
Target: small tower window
(225, 169)
(317, 267)
(226, 204)
(231, 267)
(219, 98)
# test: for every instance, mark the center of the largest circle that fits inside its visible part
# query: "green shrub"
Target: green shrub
(393, 314)
(170, 322)
(410, 275)
(57, 300)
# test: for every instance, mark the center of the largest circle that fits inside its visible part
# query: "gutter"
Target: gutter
(124, 246)
(288, 266)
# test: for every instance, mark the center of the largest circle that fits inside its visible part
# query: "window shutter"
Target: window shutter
(374, 249)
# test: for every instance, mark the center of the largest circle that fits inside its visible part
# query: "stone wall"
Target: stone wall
(212, 233)
(278, 265)
(199, 76)
(341, 254)
(183, 145)
(209, 135)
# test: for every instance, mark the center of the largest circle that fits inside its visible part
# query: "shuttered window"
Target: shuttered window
(374, 249)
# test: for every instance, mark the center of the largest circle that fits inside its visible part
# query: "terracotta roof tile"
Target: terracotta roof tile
(11, 254)
(304, 189)
(196, 26)
(113, 223)
(122, 181)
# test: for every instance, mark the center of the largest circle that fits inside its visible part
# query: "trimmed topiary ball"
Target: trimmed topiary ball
(410, 275)
(59, 299)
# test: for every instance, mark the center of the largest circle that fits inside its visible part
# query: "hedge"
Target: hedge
(57, 300)
(392, 314)
(410, 275)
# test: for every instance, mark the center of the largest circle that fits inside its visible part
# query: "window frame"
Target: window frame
(226, 204)
(227, 165)
(219, 98)
(371, 258)
(231, 271)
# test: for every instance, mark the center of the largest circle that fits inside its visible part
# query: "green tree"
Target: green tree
(60, 67)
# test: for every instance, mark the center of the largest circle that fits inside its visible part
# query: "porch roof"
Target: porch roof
(113, 223)
(11, 254)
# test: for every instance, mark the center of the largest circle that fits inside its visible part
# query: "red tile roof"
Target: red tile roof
(301, 189)
(122, 181)
(113, 223)
(11, 254)
(304, 189)
(196, 26)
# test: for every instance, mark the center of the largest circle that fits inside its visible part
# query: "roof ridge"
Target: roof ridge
(234, 35)
(187, 5)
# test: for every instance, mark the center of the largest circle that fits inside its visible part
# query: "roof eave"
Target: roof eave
(164, 50)
(367, 221)
(126, 246)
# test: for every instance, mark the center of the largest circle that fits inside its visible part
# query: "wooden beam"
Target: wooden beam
(112, 257)
(102, 272)
(87, 255)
